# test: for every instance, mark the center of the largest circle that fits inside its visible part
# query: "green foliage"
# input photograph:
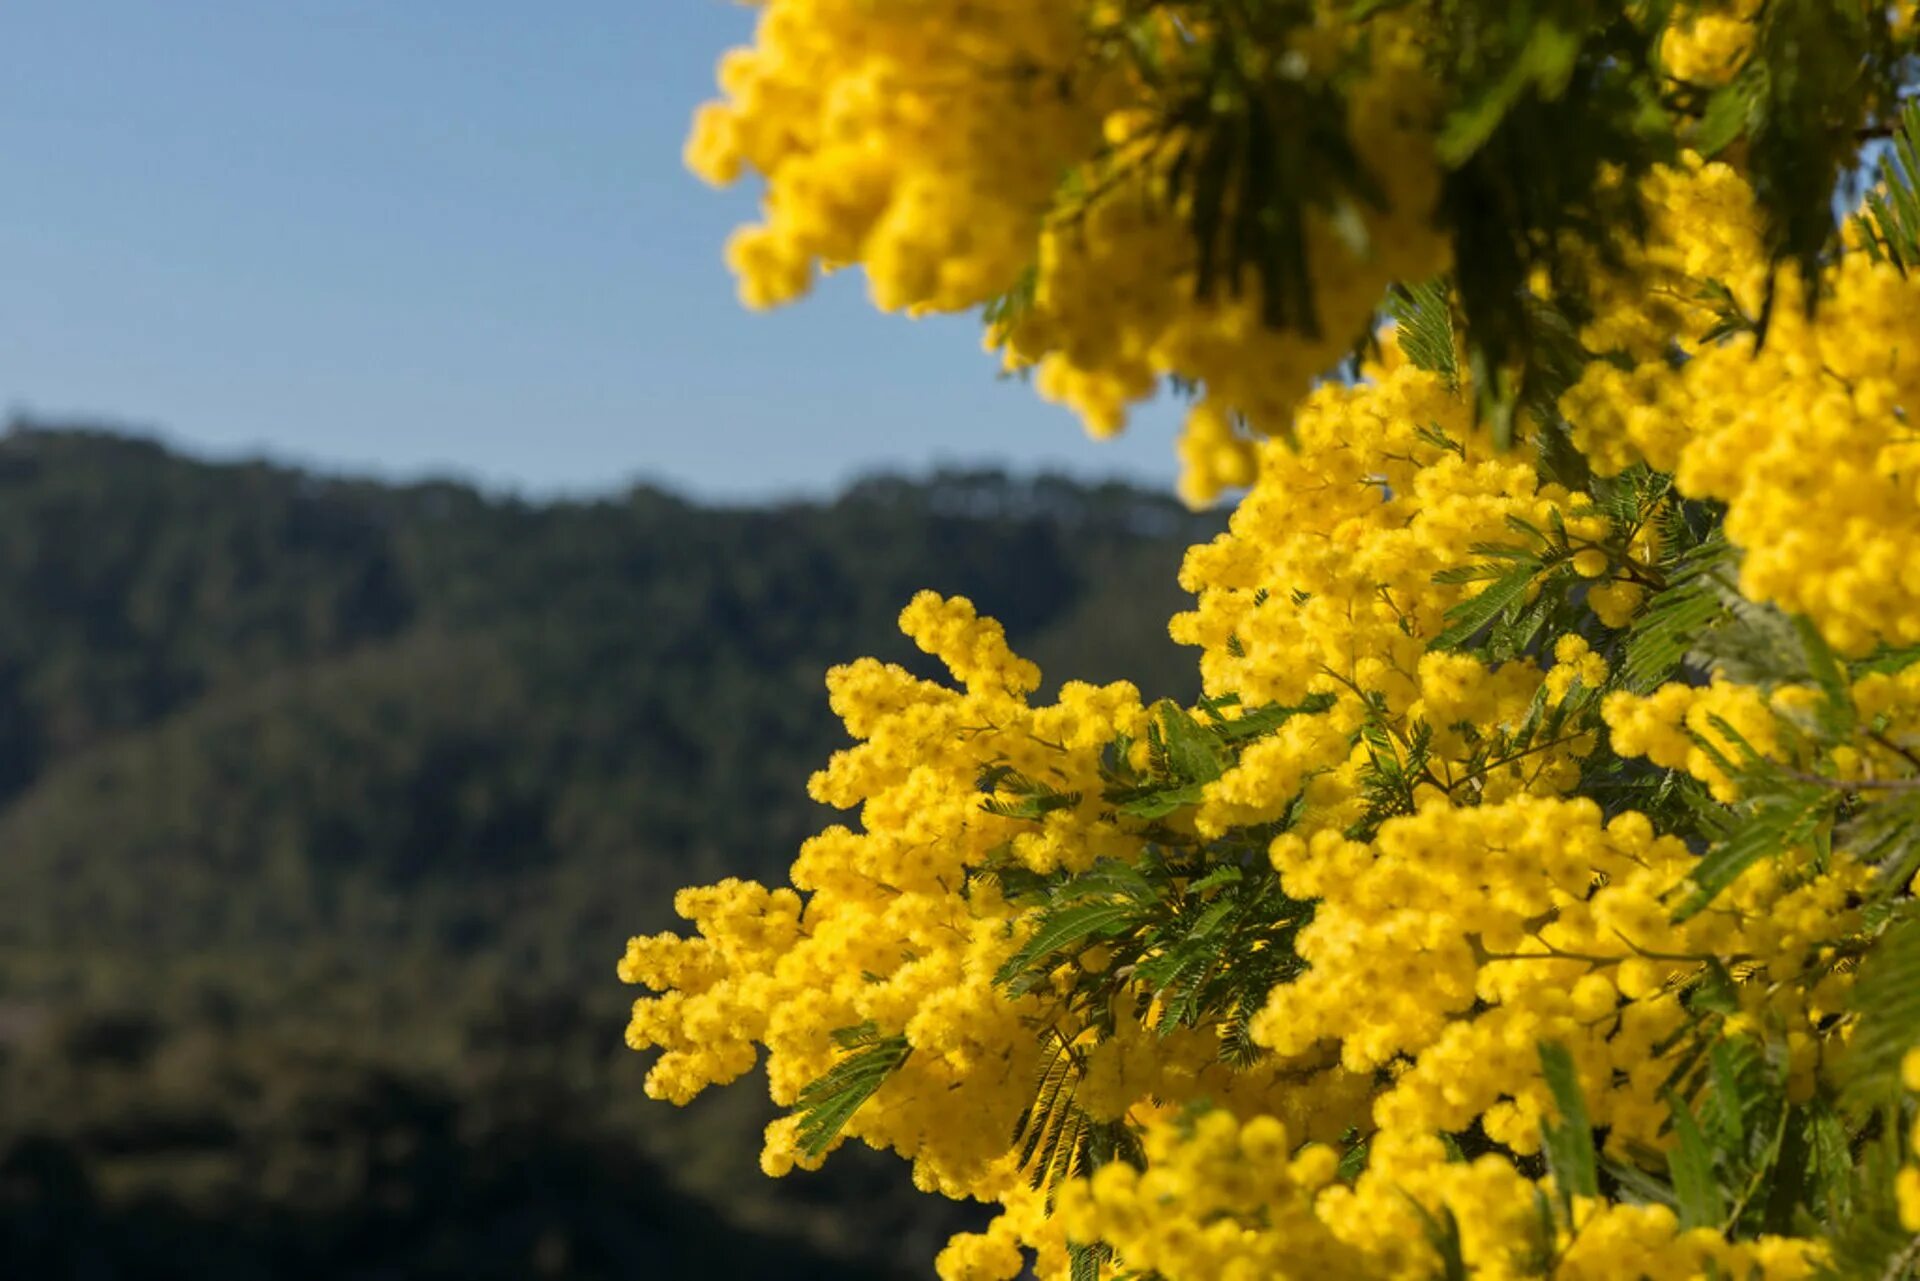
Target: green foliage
(1780, 816)
(1205, 936)
(1251, 147)
(1746, 1124)
(1808, 89)
(1055, 1138)
(1185, 754)
(1697, 597)
(1696, 1187)
(1423, 315)
(1396, 766)
(1886, 1009)
(1192, 934)
(1546, 96)
(1070, 929)
(1025, 797)
(1466, 620)
(1890, 227)
(1008, 308)
(1885, 835)
(1442, 1230)
(829, 1102)
(1869, 1243)
(1567, 1141)
(1533, 590)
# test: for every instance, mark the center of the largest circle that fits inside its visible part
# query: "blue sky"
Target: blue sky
(433, 236)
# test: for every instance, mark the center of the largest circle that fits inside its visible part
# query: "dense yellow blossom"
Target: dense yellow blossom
(1456, 814)
(1702, 730)
(1707, 43)
(1498, 913)
(952, 147)
(1806, 437)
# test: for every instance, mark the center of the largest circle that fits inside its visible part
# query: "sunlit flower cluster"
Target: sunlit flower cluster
(962, 152)
(1429, 747)
(1707, 43)
(1500, 912)
(1807, 436)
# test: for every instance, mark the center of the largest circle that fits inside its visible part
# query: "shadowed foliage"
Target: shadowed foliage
(327, 807)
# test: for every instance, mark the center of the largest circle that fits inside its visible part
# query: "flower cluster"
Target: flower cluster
(1707, 43)
(962, 152)
(1518, 872)
(922, 140)
(1807, 436)
(893, 933)
(1457, 903)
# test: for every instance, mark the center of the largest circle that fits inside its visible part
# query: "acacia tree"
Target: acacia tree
(1530, 893)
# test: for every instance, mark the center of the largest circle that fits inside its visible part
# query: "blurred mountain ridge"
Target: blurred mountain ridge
(326, 806)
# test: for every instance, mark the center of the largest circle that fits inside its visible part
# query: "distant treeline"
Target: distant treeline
(326, 807)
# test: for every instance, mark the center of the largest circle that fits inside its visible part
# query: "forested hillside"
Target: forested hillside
(326, 807)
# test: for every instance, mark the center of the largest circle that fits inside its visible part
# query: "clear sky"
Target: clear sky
(431, 236)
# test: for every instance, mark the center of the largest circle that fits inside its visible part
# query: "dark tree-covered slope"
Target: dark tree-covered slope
(327, 805)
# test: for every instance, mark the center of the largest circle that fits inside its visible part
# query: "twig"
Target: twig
(1856, 784)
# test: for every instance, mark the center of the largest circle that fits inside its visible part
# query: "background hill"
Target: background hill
(326, 807)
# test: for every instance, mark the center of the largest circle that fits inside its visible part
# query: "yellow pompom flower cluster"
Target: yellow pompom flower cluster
(1324, 585)
(1218, 1201)
(1553, 926)
(1807, 437)
(1324, 581)
(891, 933)
(1707, 43)
(1115, 306)
(968, 151)
(1686, 727)
(1418, 693)
(1221, 1198)
(1712, 731)
(1502, 1235)
(924, 140)
(954, 148)
(1496, 913)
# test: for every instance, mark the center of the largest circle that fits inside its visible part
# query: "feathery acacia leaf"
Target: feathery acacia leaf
(1423, 315)
(1776, 821)
(1568, 1141)
(1465, 620)
(829, 1102)
(1885, 1006)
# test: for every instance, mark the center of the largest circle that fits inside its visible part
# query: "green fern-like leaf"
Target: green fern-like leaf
(1465, 620)
(1890, 227)
(828, 1103)
(1011, 794)
(1686, 609)
(1886, 834)
(1886, 1010)
(1423, 319)
(1008, 308)
(1868, 1242)
(1786, 815)
(1063, 932)
(1568, 1142)
(1696, 1190)
(1442, 1231)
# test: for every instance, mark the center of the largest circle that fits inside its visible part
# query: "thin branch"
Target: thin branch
(1855, 784)
(1905, 753)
